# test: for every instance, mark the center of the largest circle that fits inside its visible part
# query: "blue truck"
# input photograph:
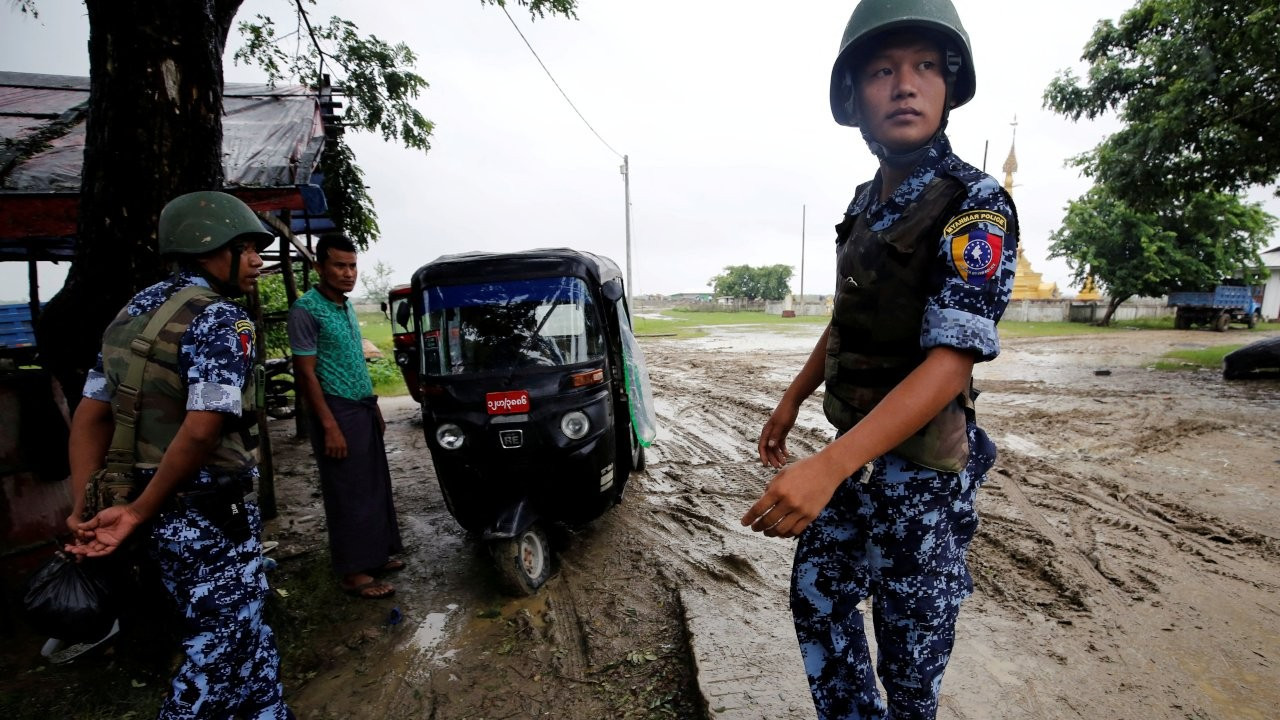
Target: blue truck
(1217, 308)
(17, 334)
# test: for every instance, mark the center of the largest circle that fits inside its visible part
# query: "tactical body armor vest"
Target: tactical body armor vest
(160, 401)
(885, 281)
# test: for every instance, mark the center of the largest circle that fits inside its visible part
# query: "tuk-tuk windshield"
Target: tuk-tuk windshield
(510, 324)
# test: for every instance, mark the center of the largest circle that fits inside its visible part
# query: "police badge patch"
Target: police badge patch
(977, 239)
(244, 329)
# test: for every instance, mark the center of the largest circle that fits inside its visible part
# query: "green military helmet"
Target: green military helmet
(873, 18)
(201, 222)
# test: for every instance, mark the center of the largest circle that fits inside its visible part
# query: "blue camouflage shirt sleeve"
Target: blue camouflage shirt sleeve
(977, 256)
(216, 358)
(95, 383)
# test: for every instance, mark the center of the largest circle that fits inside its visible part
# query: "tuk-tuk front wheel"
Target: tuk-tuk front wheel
(524, 561)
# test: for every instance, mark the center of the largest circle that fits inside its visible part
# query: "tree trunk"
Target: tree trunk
(154, 132)
(1112, 306)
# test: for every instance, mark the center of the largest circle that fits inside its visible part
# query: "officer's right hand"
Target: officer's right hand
(335, 443)
(772, 445)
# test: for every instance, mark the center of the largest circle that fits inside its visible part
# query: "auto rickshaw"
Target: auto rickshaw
(399, 311)
(535, 400)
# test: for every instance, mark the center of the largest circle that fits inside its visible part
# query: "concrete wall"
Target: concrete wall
(1271, 295)
(808, 308)
(1071, 310)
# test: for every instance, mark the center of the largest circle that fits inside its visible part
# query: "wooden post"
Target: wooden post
(286, 262)
(266, 468)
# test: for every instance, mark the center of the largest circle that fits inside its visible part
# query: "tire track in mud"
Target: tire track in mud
(701, 477)
(1081, 538)
(1111, 602)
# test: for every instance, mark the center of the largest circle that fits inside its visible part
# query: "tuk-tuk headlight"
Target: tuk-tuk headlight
(575, 425)
(450, 436)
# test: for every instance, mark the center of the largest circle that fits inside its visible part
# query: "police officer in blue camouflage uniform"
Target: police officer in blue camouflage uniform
(925, 259)
(188, 497)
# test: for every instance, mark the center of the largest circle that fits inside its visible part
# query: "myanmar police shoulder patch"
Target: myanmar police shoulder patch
(244, 329)
(976, 238)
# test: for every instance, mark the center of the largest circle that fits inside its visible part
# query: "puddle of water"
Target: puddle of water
(1022, 445)
(757, 338)
(431, 630)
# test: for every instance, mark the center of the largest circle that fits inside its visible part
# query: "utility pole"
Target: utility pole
(626, 186)
(803, 210)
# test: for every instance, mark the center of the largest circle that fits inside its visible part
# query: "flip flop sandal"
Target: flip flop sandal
(370, 590)
(391, 566)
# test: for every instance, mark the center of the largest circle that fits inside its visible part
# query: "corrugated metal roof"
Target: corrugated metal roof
(272, 137)
(272, 140)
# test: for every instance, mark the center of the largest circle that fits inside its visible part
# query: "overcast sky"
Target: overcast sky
(720, 104)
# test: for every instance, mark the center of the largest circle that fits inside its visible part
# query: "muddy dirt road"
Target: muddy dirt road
(1127, 564)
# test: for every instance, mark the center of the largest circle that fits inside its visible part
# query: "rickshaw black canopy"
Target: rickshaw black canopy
(479, 266)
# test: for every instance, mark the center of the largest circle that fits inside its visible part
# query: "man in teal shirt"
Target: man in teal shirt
(346, 425)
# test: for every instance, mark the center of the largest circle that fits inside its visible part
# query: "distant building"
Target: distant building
(705, 297)
(1271, 295)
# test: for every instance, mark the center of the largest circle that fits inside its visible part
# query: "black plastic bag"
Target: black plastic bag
(70, 601)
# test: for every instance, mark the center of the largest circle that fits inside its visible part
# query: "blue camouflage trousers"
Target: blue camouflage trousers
(232, 669)
(898, 535)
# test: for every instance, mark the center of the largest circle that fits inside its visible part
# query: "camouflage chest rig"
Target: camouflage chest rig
(885, 280)
(140, 359)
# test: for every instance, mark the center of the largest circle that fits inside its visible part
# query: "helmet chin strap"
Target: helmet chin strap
(911, 158)
(231, 286)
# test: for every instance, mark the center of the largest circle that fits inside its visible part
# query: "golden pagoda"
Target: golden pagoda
(1027, 284)
(1089, 291)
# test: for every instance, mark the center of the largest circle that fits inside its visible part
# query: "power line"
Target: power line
(553, 81)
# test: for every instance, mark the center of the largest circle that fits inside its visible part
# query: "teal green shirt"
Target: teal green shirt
(320, 327)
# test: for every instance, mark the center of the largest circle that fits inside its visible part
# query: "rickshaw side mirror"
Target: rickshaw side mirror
(403, 315)
(612, 290)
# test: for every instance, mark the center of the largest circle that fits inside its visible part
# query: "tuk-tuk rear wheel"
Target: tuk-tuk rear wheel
(524, 561)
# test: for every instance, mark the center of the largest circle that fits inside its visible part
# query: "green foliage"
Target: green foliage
(540, 8)
(1188, 244)
(386, 377)
(274, 304)
(379, 84)
(1196, 86)
(350, 206)
(768, 282)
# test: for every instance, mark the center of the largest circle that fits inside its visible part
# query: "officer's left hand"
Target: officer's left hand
(101, 534)
(794, 497)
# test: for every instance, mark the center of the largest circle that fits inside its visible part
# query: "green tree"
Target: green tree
(377, 282)
(774, 281)
(1131, 252)
(154, 131)
(1196, 85)
(769, 282)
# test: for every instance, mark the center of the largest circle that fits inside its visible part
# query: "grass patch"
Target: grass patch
(688, 323)
(679, 327)
(1195, 359)
(387, 380)
(743, 318)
